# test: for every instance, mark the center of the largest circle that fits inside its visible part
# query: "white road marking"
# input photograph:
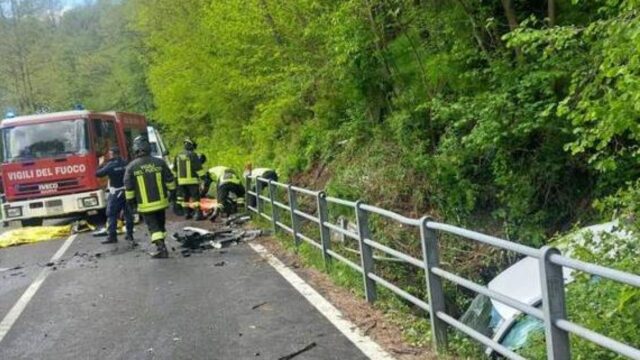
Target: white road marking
(368, 347)
(17, 309)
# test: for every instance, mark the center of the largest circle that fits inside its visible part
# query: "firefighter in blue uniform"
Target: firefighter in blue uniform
(114, 168)
(149, 186)
(189, 173)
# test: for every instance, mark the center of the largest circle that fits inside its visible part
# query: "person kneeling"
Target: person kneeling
(229, 191)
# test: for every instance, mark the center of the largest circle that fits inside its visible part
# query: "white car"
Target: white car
(158, 148)
(521, 281)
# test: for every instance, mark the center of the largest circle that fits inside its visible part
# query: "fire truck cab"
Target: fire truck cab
(49, 161)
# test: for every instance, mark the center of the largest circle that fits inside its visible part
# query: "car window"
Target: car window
(482, 316)
(521, 331)
(105, 136)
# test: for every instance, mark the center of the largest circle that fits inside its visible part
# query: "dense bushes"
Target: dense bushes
(464, 116)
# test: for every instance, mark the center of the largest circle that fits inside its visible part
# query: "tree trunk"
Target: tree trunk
(474, 27)
(551, 6)
(510, 13)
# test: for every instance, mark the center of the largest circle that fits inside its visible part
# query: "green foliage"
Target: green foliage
(87, 55)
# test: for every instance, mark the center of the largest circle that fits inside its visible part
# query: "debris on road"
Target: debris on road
(102, 232)
(192, 238)
(11, 269)
(237, 219)
(83, 259)
(259, 305)
(303, 350)
(80, 226)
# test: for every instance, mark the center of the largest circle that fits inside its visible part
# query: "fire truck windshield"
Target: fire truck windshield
(49, 139)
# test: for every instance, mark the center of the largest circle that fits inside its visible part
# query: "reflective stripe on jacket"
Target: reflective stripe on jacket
(223, 175)
(188, 168)
(147, 180)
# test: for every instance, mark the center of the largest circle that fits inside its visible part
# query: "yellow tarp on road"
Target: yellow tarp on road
(34, 234)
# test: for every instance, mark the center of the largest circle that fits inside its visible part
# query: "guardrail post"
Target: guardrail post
(325, 236)
(247, 184)
(366, 253)
(293, 206)
(553, 306)
(344, 224)
(275, 214)
(258, 192)
(431, 257)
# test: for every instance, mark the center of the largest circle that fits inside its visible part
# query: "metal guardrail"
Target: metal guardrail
(553, 312)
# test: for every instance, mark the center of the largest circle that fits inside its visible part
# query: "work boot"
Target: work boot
(198, 215)
(161, 251)
(131, 240)
(214, 215)
(110, 240)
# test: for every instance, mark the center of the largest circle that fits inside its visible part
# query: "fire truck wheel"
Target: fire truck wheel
(31, 222)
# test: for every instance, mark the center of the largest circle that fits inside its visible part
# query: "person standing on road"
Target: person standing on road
(189, 172)
(228, 188)
(254, 174)
(114, 168)
(149, 185)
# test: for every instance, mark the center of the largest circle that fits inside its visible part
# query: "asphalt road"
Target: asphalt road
(112, 302)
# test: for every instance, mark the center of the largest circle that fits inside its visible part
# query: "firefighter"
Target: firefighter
(254, 174)
(228, 188)
(149, 186)
(114, 168)
(189, 171)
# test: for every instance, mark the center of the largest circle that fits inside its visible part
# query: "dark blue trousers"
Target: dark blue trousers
(116, 203)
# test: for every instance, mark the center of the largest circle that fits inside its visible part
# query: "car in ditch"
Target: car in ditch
(508, 326)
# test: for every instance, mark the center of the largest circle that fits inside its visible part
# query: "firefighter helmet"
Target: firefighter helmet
(190, 144)
(141, 146)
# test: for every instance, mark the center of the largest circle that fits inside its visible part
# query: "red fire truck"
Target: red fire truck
(49, 161)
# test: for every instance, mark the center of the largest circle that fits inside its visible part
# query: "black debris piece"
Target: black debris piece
(303, 350)
(259, 305)
(236, 217)
(221, 263)
(193, 240)
(197, 239)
